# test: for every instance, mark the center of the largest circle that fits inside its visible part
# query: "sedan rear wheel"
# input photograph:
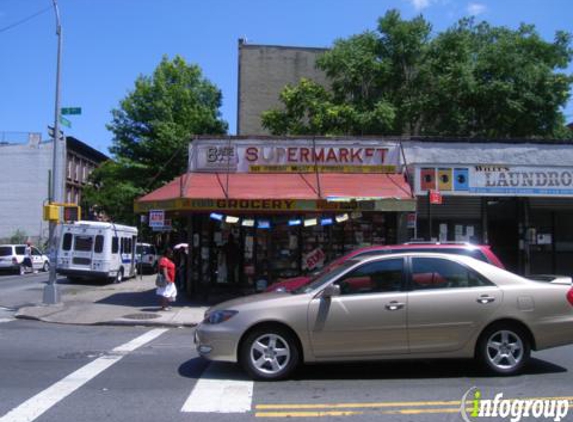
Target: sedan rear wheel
(46, 267)
(504, 349)
(269, 354)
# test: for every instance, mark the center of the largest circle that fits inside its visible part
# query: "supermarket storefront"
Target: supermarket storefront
(258, 210)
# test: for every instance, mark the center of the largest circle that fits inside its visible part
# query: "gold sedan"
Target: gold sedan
(402, 306)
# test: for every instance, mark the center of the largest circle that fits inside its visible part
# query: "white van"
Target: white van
(146, 257)
(93, 249)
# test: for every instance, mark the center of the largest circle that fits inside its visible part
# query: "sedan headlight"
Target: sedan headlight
(218, 317)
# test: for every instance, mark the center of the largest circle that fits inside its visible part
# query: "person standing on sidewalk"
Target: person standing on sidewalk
(167, 293)
(27, 262)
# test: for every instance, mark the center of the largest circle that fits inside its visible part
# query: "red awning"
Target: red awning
(303, 187)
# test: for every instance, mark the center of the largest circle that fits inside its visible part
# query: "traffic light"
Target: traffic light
(51, 212)
(51, 132)
(72, 213)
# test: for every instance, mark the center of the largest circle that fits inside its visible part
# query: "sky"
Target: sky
(107, 44)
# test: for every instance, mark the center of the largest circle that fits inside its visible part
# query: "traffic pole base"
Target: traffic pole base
(51, 294)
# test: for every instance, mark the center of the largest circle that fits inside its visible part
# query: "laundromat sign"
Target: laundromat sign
(495, 180)
(294, 156)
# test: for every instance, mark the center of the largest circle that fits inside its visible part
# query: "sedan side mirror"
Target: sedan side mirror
(331, 290)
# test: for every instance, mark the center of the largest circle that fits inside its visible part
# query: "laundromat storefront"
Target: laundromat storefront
(263, 210)
(525, 212)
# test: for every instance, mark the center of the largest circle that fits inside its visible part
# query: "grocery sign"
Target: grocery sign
(494, 180)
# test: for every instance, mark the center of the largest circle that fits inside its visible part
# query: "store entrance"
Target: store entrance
(503, 234)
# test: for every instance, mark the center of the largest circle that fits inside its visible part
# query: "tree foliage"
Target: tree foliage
(152, 129)
(472, 79)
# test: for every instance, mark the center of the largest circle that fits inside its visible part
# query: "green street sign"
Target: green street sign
(71, 110)
(65, 122)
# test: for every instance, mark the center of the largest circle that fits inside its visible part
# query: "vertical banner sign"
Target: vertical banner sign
(435, 198)
(156, 218)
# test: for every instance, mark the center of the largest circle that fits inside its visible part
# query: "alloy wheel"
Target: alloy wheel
(270, 353)
(504, 350)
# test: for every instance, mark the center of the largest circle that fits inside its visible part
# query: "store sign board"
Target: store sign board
(495, 180)
(435, 198)
(274, 205)
(313, 259)
(295, 156)
(156, 218)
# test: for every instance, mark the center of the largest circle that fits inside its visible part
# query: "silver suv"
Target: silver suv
(12, 256)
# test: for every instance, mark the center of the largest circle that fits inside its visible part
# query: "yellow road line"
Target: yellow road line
(305, 414)
(356, 413)
(295, 406)
(408, 408)
(356, 405)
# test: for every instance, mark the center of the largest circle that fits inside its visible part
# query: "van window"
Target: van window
(67, 242)
(5, 250)
(98, 248)
(20, 250)
(83, 243)
(128, 245)
(114, 245)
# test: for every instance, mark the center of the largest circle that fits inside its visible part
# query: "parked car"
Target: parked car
(480, 252)
(397, 306)
(12, 256)
(146, 257)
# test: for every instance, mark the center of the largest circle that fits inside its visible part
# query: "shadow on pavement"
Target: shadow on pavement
(414, 369)
(136, 299)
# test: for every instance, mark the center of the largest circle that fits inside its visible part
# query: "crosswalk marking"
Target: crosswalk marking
(41, 402)
(215, 393)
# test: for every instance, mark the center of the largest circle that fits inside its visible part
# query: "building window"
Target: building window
(70, 166)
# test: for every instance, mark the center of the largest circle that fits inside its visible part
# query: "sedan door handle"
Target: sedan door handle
(394, 306)
(485, 299)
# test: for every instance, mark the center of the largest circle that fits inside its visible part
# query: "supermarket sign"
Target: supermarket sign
(294, 156)
(494, 180)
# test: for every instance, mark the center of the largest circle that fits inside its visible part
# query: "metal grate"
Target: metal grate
(141, 316)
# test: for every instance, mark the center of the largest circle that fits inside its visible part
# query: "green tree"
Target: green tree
(152, 129)
(470, 80)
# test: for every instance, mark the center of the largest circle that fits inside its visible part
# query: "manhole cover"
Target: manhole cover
(141, 316)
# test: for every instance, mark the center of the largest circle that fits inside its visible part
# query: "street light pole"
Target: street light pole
(51, 292)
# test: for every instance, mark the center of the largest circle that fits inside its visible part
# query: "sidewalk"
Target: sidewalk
(132, 302)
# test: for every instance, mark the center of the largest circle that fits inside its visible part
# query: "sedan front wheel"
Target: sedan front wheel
(269, 354)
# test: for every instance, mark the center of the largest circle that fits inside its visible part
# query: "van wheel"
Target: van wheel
(46, 267)
(119, 276)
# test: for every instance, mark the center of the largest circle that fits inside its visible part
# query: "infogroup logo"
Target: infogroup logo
(475, 407)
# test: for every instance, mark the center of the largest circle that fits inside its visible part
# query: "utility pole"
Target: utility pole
(51, 292)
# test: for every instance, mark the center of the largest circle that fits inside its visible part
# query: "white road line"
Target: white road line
(6, 320)
(41, 402)
(215, 394)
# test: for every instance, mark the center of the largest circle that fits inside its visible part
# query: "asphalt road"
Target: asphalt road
(71, 373)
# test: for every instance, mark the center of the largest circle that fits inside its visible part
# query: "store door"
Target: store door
(503, 234)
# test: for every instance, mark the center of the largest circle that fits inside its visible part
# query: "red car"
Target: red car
(481, 252)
